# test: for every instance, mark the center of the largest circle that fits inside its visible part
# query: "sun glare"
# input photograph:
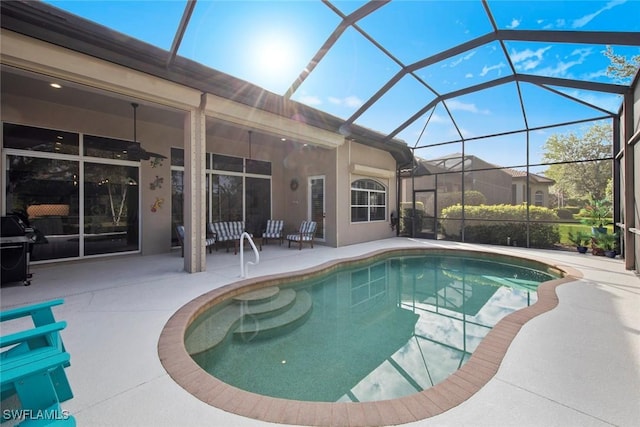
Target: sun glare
(274, 59)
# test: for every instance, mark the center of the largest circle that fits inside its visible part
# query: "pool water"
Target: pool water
(366, 332)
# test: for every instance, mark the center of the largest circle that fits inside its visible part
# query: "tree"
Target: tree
(620, 67)
(581, 163)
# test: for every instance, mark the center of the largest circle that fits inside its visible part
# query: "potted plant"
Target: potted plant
(581, 239)
(596, 215)
(607, 243)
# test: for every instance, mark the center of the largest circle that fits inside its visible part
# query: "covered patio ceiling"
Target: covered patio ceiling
(429, 73)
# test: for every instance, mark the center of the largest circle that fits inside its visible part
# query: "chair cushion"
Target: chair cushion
(297, 237)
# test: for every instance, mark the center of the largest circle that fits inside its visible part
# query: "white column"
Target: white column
(194, 190)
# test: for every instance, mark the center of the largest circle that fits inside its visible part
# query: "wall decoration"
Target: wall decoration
(157, 205)
(157, 183)
(155, 162)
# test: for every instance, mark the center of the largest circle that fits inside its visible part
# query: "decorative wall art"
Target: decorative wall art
(157, 205)
(157, 183)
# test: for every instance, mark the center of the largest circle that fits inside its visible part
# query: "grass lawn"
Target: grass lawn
(565, 228)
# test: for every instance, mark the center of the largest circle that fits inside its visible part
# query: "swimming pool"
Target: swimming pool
(431, 313)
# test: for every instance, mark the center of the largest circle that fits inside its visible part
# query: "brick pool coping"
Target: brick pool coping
(458, 387)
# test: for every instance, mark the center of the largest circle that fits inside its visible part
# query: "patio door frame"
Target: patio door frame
(311, 214)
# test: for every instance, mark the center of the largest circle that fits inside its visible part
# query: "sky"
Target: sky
(269, 43)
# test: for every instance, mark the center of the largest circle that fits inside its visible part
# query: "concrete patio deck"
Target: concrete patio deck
(576, 365)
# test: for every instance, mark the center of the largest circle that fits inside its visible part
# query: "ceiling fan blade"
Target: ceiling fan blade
(136, 152)
(156, 155)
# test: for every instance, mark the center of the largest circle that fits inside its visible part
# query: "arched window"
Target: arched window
(368, 201)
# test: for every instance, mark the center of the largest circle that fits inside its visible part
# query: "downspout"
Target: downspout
(629, 141)
(398, 196)
(413, 196)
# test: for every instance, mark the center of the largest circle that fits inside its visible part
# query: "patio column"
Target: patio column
(194, 190)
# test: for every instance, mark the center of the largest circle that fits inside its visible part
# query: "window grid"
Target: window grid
(368, 201)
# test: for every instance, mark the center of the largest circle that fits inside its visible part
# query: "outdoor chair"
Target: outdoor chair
(305, 234)
(227, 231)
(209, 242)
(273, 230)
(32, 366)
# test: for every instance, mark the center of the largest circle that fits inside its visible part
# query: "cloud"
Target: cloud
(596, 74)
(581, 22)
(353, 101)
(558, 23)
(459, 60)
(349, 101)
(486, 69)
(310, 100)
(609, 102)
(455, 105)
(561, 69)
(528, 59)
(437, 118)
(515, 23)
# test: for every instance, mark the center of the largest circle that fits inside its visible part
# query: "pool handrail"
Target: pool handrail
(244, 269)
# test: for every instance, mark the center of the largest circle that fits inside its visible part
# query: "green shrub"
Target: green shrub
(471, 198)
(564, 213)
(406, 224)
(499, 224)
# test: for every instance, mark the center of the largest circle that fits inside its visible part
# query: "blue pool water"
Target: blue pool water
(370, 331)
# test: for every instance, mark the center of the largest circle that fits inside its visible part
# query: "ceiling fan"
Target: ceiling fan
(135, 150)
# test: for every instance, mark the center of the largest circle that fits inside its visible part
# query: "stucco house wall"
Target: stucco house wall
(355, 161)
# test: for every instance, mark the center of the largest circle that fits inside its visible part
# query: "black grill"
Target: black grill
(16, 240)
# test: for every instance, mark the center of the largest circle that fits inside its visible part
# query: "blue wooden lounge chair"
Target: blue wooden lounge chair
(305, 234)
(273, 230)
(32, 367)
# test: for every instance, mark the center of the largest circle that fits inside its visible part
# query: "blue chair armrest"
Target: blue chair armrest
(41, 313)
(46, 331)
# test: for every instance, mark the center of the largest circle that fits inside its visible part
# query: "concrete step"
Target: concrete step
(268, 327)
(215, 327)
(259, 296)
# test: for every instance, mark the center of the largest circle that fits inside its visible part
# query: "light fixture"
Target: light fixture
(55, 85)
(135, 151)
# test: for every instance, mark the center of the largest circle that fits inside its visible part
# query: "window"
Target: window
(38, 139)
(47, 192)
(368, 201)
(539, 198)
(238, 189)
(111, 195)
(177, 201)
(78, 191)
(106, 148)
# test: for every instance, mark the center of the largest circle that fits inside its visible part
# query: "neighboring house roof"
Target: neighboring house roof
(453, 162)
(532, 176)
(450, 163)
